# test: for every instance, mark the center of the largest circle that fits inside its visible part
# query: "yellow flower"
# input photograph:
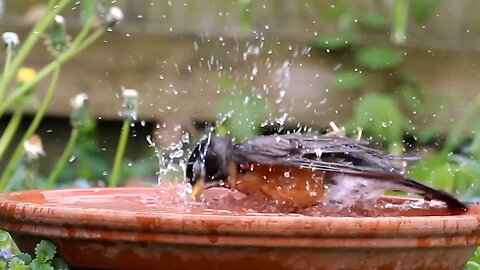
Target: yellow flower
(26, 74)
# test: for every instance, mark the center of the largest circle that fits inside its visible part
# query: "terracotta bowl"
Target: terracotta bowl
(161, 228)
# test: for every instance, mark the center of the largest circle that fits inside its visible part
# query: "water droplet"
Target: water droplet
(251, 50)
(176, 154)
(185, 137)
(281, 120)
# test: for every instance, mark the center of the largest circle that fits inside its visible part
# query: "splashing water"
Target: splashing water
(176, 199)
(158, 154)
(251, 50)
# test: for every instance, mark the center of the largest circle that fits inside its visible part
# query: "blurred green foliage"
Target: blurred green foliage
(380, 117)
(245, 20)
(386, 117)
(12, 259)
(378, 57)
(453, 163)
(348, 80)
(474, 262)
(240, 113)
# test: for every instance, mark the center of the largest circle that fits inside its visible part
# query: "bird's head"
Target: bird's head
(208, 164)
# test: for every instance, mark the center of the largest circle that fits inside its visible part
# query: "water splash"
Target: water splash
(175, 199)
(251, 50)
(158, 154)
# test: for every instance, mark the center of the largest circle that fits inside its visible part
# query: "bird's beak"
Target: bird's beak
(198, 188)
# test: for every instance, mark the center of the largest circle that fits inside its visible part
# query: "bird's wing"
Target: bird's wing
(334, 154)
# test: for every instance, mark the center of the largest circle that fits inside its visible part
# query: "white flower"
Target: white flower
(10, 40)
(78, 101)
(130, 103)
(33, 147)
(59, 19)
(130, 94)
(114, 16)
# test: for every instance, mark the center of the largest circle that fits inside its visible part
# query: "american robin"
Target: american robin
(302, 170)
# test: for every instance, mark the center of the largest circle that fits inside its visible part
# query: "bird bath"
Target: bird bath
(162, 228)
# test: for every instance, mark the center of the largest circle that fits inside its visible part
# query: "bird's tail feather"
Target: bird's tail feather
(405, 184)
(431, 193)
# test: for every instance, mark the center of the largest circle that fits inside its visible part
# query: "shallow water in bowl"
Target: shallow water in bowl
(175, 199)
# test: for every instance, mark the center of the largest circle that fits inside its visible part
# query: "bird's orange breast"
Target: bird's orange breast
(294, 186)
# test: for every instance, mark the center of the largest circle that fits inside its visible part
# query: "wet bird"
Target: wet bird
(302, 170)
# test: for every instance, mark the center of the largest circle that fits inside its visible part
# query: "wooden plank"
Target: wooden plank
(175, 71)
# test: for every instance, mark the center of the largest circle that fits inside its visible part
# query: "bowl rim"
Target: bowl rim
(15, 211)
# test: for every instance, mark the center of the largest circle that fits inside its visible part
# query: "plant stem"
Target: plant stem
(83, 32)
(8, 62)
(63, 159)
(245, 14)
(30, 42)
(31, 129)
(122, 143)
(64, 57)
(10, 130)
(400, 21)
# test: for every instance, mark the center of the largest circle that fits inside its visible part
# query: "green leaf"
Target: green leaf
(471, 265)
(4, 236)
(447, 173)
(443, 177)
(380, 117)
(422, 9)
(347, 80)
(466, 176)
(39, 265)
(376, 20)
(411, 96)
(475, 259)
(17, 264)
(333, 42)
(91, 163)
(474, 147)
(4, 239)
(45, 251)
(59, 264)
(25, 257)
(423, 169)
(380, 57)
